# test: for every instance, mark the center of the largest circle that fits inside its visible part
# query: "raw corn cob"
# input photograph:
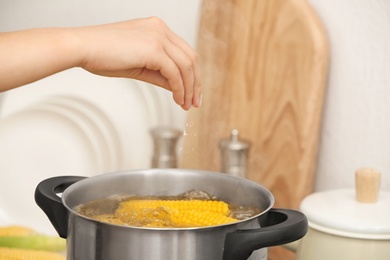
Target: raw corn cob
(27, 238)
(37, 242)
(16, 231)
(174, 213)
(26, 254)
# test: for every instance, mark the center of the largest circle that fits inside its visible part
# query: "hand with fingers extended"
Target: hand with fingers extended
(143, 49)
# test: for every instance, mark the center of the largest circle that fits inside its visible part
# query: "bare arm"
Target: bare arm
(143, 49)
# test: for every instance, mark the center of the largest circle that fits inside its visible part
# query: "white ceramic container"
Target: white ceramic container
(347, 224)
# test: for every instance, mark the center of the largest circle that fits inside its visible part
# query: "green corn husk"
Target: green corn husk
(35, 242)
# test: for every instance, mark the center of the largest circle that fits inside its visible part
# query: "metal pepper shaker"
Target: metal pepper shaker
(234, 154)
(164, 153)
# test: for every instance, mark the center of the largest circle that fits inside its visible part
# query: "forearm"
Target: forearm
(27, 56)
(142, 49)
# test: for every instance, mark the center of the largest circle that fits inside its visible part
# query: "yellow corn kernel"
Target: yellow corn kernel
(24, 254)
(16, 231)
(203, 205)
(194, 218)
(173, 213)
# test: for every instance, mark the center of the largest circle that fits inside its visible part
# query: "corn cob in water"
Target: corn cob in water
(172, 213)
(22, 243)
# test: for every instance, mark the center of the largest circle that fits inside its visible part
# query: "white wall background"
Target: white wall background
(356, 129)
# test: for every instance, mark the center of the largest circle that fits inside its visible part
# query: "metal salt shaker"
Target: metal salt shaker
(165, 140)
(234, 153)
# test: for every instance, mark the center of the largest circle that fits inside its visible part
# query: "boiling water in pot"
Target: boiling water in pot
(194, 208)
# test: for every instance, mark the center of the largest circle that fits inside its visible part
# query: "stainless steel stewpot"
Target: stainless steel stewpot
(88, 239)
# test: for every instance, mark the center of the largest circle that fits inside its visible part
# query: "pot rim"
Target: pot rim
(151, 170)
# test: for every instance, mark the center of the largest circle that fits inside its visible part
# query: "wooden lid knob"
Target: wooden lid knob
(367, 183)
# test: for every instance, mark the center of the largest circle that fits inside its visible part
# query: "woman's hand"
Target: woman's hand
(147, 50)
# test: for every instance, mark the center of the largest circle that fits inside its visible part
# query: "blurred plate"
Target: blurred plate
(74, 123)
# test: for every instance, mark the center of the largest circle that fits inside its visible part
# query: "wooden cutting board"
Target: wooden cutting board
(264, 69)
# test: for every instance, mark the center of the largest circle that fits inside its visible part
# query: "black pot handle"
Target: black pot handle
(278, 227)
(47, 199)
